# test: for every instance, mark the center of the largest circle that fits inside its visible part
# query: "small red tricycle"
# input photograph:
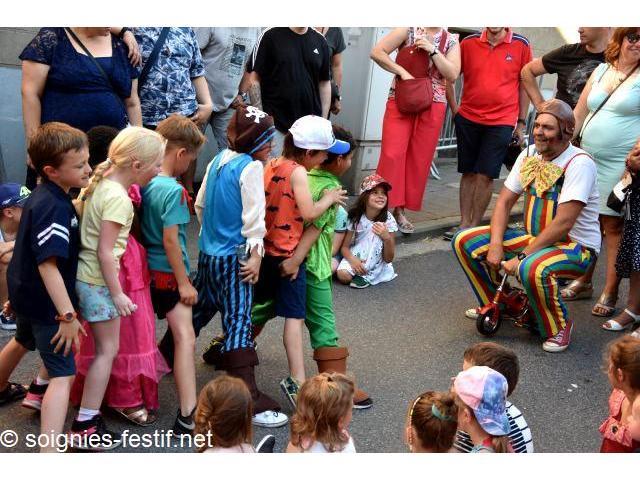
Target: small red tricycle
(509, 303)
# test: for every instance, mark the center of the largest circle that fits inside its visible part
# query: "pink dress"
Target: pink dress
(139, 366)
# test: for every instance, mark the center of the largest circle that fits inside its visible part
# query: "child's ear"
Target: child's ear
(181, 152)
(49, 171)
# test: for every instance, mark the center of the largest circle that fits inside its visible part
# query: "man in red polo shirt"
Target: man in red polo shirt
(493, 109)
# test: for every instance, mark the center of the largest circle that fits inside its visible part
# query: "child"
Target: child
(132, 389)
(480, 394)
(634, 421)
(624, 376)
(42, 274)
(165, 215)
(505, 361)
(369, 245)
(431, 423)
(323, 415)
(223, 417)
(12, 199)
(289, 204)
(107, 213)
(231, 207)
(316, 246)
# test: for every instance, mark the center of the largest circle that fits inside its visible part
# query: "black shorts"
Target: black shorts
(37, 335)
(481, 148)
(290, 296)
(164, 301)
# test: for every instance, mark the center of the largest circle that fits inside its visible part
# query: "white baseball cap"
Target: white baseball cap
(316, 133)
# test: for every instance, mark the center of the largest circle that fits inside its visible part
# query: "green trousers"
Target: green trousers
(320, 319)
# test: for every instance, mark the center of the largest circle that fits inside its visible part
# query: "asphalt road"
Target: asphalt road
(406, 337)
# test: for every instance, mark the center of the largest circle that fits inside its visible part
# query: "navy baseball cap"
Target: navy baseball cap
(13, 194)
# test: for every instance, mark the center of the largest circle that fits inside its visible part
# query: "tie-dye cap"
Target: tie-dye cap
(485, 391)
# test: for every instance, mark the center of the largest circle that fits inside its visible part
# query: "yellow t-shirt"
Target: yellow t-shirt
(109, 201)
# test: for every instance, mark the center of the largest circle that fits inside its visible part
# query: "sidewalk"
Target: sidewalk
(441, 206)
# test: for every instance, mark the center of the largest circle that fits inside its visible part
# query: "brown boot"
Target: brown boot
(334, 359)
(241, 363)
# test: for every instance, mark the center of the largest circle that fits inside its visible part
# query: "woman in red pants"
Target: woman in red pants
(409, 140)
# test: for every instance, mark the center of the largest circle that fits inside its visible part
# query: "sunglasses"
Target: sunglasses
(632, 37)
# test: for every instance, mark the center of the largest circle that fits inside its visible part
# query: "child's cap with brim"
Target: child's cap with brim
(316, 133)
(372, 181)
(485, 391)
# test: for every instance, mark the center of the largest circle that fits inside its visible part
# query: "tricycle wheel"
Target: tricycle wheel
(488, 323)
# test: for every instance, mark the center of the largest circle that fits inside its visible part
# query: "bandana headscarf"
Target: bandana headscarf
(249, 130)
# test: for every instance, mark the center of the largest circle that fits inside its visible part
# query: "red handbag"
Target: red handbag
(415, 95)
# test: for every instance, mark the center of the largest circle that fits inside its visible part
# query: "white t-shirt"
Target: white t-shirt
(579, 184)
(318, 447)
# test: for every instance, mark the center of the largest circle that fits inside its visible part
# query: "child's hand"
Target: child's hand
(188, 294)
(381, 230)
(250, 271)
(68, 334)
(337, 195)
(124, 305)
(289, 268)
(357, 266)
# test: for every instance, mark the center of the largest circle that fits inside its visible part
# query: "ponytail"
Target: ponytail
(501, 444)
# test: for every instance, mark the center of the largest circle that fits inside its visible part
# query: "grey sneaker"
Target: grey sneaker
(7, 322)
(290, 387)
(449, 234)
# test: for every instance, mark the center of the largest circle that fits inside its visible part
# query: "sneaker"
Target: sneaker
(212, 354)
(449, 234)
(35, 394)
(183, 425)
(266, 445)
(270, 419)
(13, 392)
(93, 435)
(359, 282)
(560, 341)
(7, 322)
(290, 387)
(472, 313)
(363, 404)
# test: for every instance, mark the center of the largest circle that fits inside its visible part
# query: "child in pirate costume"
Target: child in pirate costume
(561, 235)
(316, 247)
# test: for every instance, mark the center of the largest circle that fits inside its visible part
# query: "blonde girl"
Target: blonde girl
(135, 156)
(323, 415)
(432, 423)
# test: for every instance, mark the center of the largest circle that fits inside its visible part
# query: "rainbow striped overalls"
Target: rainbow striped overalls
(538, 272)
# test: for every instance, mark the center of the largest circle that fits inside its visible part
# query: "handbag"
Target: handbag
(577, 142)
(416, 95)
(618, 199)
(112, 88)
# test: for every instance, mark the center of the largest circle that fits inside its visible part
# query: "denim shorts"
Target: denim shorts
(37, 335)
(95, 302)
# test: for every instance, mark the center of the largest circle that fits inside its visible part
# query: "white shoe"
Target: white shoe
(270, 419)
(614, 326)
(472, 313)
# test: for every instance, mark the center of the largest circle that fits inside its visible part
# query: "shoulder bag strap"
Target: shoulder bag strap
(97, 64)
(153, 58)
(606, 99)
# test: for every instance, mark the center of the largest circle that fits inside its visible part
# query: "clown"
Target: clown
(561, 235)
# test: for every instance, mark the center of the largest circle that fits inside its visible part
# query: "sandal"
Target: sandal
(138, 415)
(577, 290)
(606, 304)
(616, 326)
(405, 226)
(12, 393)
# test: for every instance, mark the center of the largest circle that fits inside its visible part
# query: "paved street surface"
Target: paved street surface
(406, 337)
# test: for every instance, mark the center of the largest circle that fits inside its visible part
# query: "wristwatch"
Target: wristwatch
(522, 121)
(123, 31)
(67, 317)
(522, 256)
(435, 50)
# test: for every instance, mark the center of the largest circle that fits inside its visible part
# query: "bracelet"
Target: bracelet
(123, 31)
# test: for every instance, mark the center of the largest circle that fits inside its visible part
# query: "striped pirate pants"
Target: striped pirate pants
(538, 272)
(220, 289)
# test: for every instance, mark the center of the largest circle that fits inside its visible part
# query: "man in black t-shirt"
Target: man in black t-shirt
(291, 65)
(573, 63)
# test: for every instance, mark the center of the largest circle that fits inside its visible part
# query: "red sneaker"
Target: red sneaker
(33, 399)
(560, 341)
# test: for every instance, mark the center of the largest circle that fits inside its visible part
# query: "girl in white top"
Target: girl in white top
(323, 414)
(135, 156)
(369, 245)
(223, 416)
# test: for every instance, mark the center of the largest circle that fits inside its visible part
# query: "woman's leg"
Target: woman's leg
(612, 228)
(184, 368)
(106, 336)
(633, 303)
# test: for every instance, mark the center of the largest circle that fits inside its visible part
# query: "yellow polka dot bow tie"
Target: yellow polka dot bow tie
(544, 174)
